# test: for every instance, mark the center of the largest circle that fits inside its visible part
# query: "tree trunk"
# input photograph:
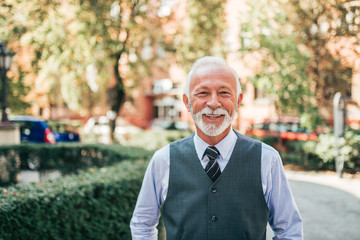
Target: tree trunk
(116, 97)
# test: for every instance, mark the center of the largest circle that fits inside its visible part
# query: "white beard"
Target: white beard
(212, 129)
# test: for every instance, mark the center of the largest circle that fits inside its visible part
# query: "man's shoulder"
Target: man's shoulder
(164, 151)
(183, 140)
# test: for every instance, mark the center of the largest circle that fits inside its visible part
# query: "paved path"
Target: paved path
(329, 206)
(348, 183)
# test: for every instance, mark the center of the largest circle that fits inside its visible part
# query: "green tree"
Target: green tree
(38, 32)
(13, 24)
(83, 50)
(17, 90)
(268, 36)
(114, 33)
(203, 31)
(292, 40)
(323, 26)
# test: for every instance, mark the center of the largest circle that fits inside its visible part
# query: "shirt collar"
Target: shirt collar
(224, 146)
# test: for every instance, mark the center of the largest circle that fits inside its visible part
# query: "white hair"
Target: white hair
(205, 61)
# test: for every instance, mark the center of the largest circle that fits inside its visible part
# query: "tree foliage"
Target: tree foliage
(77, 52)
(294, 40)
(14, 23)
(74, 53)
(115, 32)
(48, 54)
(326, 27)
(267, 36)
(203, 31)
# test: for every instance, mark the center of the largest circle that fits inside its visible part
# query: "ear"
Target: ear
(240, 98)
(186, 102)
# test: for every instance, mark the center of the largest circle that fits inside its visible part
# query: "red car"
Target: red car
(288, 131)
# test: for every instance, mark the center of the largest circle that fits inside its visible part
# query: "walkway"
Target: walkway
(329, 205)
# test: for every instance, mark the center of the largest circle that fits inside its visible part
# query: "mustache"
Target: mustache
(218, 111)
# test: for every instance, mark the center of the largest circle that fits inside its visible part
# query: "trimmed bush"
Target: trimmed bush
(95, 204)
(9, 165)
(320, 154)
(323, 152)
(67, 158)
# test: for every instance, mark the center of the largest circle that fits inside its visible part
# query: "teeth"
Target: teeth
(213, 115)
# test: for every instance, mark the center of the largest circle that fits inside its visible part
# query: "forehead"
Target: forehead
(213, 73)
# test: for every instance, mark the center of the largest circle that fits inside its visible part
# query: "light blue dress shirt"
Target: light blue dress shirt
(284, 216)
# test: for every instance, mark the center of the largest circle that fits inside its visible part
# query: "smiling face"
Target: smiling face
(213, 101)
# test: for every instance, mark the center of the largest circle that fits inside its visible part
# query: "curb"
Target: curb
(347, 183)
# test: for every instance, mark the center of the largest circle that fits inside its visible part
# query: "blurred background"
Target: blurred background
(112, 72)
(104, 72)
(84, 61)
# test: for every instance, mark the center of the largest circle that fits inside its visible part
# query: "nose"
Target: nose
(213, 101)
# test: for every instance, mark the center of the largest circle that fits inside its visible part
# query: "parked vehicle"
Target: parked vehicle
(33, 129)
(288, 130)
(64, 131)
(97, 125)
(97, 129)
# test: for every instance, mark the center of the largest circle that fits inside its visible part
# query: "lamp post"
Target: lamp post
(5, 63)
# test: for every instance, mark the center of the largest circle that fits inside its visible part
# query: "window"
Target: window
(167, 108)
(348, 92)
(261, 97)
(260, 94)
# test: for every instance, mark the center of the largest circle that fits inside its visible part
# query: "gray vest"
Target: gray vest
(233, 207)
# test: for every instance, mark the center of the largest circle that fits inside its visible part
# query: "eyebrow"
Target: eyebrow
(205, 88)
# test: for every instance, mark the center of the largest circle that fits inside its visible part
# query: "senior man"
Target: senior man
(215, 184)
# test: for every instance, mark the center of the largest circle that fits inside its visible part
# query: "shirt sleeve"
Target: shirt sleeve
(284, 219)
(152, 194)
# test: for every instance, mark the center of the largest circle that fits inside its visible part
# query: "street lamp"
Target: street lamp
(5, 63)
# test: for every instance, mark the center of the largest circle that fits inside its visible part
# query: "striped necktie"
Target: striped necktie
(212, 168)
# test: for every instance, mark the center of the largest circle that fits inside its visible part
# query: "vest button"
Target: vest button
(213, 218)
(213, 190)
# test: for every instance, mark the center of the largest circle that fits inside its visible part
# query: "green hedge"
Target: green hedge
(67, 158)
(9, 165)
(320, 154)
(95, 204)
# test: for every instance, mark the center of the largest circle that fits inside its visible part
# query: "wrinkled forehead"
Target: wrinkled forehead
(217, 72)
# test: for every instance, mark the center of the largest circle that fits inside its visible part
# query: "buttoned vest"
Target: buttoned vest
(233, 207)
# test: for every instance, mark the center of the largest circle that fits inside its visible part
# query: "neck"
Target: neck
(212, 140)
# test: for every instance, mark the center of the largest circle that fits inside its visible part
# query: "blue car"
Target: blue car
(64, 131)
(33, 129)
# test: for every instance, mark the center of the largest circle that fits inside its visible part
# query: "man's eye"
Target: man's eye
(225, 93)
(202, 93)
